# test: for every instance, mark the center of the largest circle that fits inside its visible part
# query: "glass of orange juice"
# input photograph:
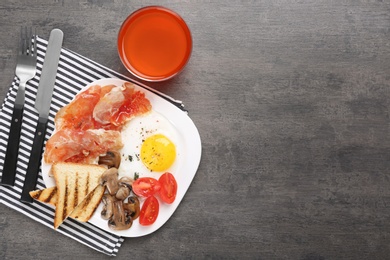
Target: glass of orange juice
(154, 43)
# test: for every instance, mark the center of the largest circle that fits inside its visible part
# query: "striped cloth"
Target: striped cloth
(74, 72)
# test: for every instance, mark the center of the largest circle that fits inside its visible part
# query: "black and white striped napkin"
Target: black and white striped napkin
(74, 72)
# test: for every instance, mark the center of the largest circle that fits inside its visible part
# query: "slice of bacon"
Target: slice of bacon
(90, 125)
(70, 145)
(119, 106)
(78, 113)
(108, 106)
(135, 104)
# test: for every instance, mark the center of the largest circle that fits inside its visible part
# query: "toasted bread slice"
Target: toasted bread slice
(74, 182)
(48, 195)
(84, 211)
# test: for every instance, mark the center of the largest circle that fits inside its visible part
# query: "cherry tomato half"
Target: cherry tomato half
(146, 186)
(168, 188)
(149, 211)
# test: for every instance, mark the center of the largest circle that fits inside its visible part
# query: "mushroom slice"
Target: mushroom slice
(122, 193)
(124, 187)
(110, 179)
(126, 181)
(108, 205)
(133, 207)
(121, 219)
(111, 159)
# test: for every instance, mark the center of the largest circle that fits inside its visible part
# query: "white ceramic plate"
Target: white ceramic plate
(186, 164)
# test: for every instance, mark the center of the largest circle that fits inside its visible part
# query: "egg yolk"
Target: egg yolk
(158, 153)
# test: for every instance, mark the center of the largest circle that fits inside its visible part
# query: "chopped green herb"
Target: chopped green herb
(136, 175)
(130, 158)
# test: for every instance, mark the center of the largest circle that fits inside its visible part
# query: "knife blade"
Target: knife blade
(42, 105)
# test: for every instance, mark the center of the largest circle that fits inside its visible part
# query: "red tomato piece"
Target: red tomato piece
(146, 186)
(168, 188)
(149, 211)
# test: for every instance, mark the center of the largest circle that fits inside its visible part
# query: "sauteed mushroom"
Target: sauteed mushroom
(111, 159)
(120, 219)
(108, 204)
(126, 181)
(120, 214)
(122, 193)
(124, 188)
(132, 206)
(110, 179)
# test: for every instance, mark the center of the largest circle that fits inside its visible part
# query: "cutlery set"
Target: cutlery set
(25, 71)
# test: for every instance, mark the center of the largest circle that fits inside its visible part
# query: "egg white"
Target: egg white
(133, 135)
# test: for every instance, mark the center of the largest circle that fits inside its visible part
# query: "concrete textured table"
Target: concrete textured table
(292, 102)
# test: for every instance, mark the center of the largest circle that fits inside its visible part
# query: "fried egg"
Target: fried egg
(150, 146)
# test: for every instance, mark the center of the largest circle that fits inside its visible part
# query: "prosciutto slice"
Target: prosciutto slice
(90, 125)
(69, 145)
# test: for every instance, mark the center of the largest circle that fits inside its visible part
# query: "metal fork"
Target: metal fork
(25, 70)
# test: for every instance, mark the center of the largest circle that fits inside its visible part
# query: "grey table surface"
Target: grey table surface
(292, 102)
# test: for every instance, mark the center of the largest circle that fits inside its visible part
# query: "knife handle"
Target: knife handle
(35, 161)
(11, 156)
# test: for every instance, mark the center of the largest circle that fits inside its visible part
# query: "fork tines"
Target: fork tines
(28, 41)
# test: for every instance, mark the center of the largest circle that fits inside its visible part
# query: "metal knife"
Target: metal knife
(42, 104)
